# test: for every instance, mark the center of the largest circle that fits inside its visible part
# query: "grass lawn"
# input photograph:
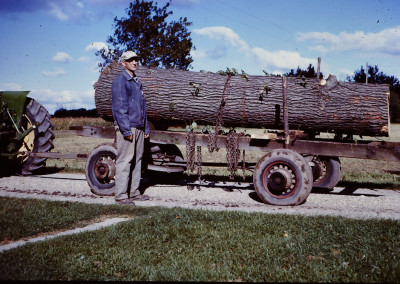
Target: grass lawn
(161, 244)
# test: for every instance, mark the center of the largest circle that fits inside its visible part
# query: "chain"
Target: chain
(233, 152)
(244, 165)
(199, 162)
(212, 137)
(212, 141)
(190, 149)
(232, 143)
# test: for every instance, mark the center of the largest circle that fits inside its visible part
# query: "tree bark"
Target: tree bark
(255, 101)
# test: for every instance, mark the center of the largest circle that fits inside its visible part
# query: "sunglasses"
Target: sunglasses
(132, 59)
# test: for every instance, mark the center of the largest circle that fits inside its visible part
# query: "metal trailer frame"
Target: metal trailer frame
(361, 149)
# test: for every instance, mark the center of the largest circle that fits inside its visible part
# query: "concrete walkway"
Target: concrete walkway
(90, 227)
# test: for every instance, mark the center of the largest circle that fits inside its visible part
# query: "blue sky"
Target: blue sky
(48, 46)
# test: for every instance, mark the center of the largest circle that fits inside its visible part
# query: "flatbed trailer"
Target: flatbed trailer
(292, 165)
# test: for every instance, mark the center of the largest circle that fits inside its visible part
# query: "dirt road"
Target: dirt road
(346, 202)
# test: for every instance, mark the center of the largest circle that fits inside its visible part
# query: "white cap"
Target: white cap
(128, 54)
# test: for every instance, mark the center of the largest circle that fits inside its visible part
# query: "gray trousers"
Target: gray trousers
(129, 164)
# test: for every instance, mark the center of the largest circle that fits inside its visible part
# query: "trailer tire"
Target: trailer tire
(326, 172)
(40, 140)
(100, 169)
(283, 177)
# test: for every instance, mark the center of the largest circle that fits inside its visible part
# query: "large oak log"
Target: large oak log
(255, 101)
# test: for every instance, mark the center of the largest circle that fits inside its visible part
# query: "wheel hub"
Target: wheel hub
(105, 170)
(28, 141)
(318, 169)
(280, 180)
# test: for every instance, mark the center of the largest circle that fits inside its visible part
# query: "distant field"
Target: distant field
(394, 132)
(64, 123)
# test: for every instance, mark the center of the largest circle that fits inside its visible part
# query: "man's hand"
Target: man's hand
(129, 138)
(146, 135)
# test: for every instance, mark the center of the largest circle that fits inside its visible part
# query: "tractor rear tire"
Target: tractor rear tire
(42, 139)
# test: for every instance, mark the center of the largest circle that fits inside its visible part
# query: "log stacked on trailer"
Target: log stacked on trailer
(255, 101)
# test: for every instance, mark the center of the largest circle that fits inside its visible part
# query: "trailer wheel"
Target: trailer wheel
(39, 140)
(283, 177)
(100, 169)
(326, 172)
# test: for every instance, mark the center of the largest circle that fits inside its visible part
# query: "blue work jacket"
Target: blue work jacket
(128, 104)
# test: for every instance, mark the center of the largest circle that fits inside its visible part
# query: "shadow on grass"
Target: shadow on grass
(192, 181)
(7, 172)
(152, 178)
(45, 172)
(48, 171)
(350, 187)
(253, 195)
(369, 185)
(349, 191)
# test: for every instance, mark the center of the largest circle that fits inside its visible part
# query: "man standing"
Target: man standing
(130, 121)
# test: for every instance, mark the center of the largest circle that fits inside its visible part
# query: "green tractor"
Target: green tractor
(25, 128)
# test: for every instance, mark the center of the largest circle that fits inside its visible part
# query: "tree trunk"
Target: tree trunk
(255, 101)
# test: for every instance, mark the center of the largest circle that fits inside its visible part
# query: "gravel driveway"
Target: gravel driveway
(346, 202)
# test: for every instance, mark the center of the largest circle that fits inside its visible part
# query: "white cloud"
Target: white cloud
(95, 67)
(386, 41)
(67, 10)
(11, 87)
(225, 34)
(62, 57)
(343, 73)
(53, 100)
(182, 3)
(56, 73)
(125, 3)
(83, 59)
(217, 52)
(281, 59)
(96, 46)
(108, 2)
(198, 54)
(64, 10)
(57, 12)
